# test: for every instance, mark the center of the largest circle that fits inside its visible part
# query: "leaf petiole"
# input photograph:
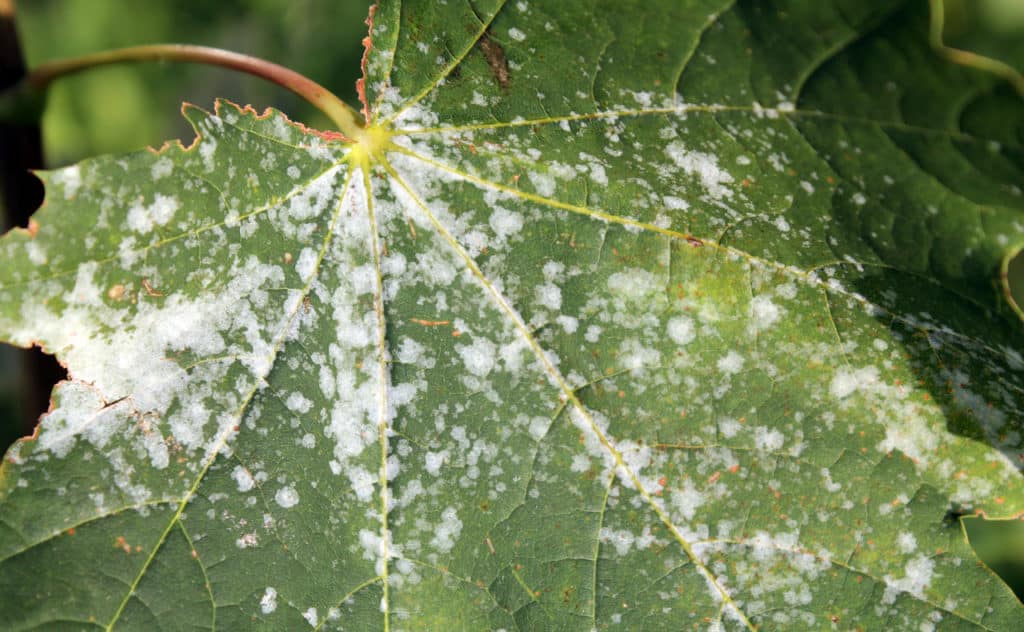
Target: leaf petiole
(341, 114)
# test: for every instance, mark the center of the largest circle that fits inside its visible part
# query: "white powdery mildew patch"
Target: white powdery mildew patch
(146, 337)
(268, 602)
(681, 330)
(287, 497)
(311, 616)
(907, 428)
(703, 165)
(917, 576)
(82, 412)
(142, 219)
(478, 357)
(731, 363)
(763, 313)
(349, 374)
(243, 478)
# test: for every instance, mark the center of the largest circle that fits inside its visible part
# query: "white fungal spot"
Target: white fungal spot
(161, 168)
(287, 497)
(516, 34)
(704, 166)
(310, 615)
(478, 356)
(917, 576)
(297, 402)
(731, 363)
(681, 330)
(243, 478)
(763, 313)
(907, 542)
(447, 532)
(846, 382)
(268, 603)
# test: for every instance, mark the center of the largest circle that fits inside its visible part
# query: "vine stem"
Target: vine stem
(967, 58)
(340, 113)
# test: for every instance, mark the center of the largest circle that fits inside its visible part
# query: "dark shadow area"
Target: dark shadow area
(27, 376)
(1015, 278)
(967, 380)
(1000, 544)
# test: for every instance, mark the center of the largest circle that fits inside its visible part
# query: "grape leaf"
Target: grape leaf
(681, 315)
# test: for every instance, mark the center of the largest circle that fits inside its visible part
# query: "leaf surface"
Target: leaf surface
(647, 315)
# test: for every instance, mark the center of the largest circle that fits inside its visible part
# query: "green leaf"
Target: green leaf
(681, 315)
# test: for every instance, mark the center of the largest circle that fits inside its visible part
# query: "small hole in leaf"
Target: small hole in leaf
(27, 377)
(1000, 545)
(23, 198)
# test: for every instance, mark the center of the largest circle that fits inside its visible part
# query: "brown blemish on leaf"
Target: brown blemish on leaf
(430, 323)
(116, 292)
(495, 56)
(146, 285)
(367, 47)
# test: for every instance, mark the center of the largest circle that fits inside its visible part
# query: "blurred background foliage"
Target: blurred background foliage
(123, 108)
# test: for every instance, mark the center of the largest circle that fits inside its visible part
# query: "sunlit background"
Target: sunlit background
(123, 108)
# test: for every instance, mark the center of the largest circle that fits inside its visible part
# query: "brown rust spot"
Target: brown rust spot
(495, 56)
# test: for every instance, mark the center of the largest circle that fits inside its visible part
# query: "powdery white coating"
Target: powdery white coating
(81, 411)
(768, 439)
(142, 219)
(311, 617)
(306, 264)
(731, 363)
(148, 337)
(681, 330)
(516, 34)
(505, 223)
(161, 168)
(432, 461)
(633, 283)
(763, 312)
(297, 402)
(846, 382)
(478, 356)
(687, 500)
(446, 533)
(918, 574)
(549, 295)
(243, 478)
(703, 165)
(70, 178)
(906, 541)
(268, 602)
(287, 497)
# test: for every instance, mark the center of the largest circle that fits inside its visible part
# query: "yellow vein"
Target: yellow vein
(759, 111)
(382, 399)
(274, 203)
(807, 276)
(348, 595)
(221, 440)
(206, 577)
(567, 391)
